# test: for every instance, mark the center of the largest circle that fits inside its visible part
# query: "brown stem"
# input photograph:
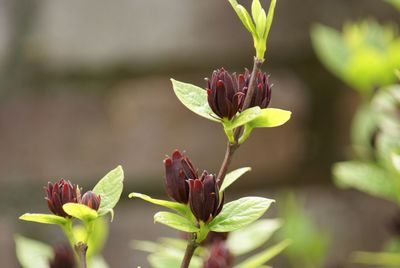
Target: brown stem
(230, 150)
(252, 84)
(191, 247)
(81, 249)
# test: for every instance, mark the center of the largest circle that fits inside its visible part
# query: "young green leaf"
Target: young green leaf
(261, 258)
(270, 17)
(175, 221)
(43, 218)
(256, 9)
(270, 117)
(80, 211)
(194, 98)
(239, 213)
(366, 177)
(396, 161)
(110, 189)
(232, 176)
(32, 253)
(252, 236)
(261, 23)
(245, 117)
(97, 237)
(244, 16)
(181, 208)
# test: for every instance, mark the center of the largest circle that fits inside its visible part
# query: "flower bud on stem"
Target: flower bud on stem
(230, 150)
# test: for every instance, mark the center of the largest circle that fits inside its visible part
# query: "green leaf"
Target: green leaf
(261, 258)
(194, 98)
(252, 236)
(80, 211)
(270, 117)
(32, 253)
(366, 177)
(110, 189)
(232, 176)
(256, 9)
(396, 161)
(175, 221)
(43, 218)
(244, 16)
(376, 258)
(330, 48)
(270, 17)
(245, 117)
(395, 3)
(181, 208)
(261, 23)
(239, 213)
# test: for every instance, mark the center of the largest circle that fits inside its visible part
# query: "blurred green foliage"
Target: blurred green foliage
(310, 245)
(364, 54)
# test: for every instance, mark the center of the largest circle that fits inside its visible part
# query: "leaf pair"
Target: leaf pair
(195, 99)
(258, 24)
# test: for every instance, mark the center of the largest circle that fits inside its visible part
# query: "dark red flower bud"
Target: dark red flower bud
(60, 193)
(91, 200)
(219, 257)
(63, 257)
(224, 96)
(204, 197)
(178, 170)
(262, 93)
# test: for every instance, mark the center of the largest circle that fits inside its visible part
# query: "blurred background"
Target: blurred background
(84, 87)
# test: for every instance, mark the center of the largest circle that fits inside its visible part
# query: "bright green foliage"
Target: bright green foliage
(44, 218)
(395, 3)
(269, 117)
(366, 177)
(252, 236)
(232, 176)
(239, 213)
(172, 259)
(178, 207)
(264, 256)
(80, 211)
(351, 54)
(32, 253)
(175, 221)
(110, 189)
(194, 98)
(244, 117)
(309, 247)
(258, 24)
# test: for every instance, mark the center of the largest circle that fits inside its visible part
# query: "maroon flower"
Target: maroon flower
(60, 193)
(262, 93)
(178, 170)
(219, 257)
(224, 96)
(213, 237)
(204, 197)
(91, 200)
(63, 257)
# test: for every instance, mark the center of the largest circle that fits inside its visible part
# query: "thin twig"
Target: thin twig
(81, 249)
(191, 247)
